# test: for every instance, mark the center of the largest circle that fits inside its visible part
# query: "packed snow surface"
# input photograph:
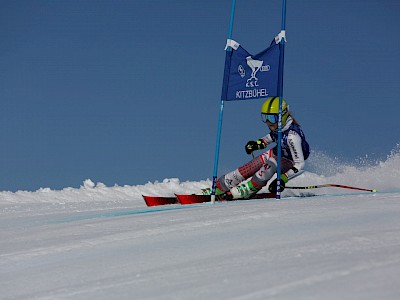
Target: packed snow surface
(100, 242)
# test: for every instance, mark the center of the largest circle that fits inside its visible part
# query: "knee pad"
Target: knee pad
(266, 172)
(230, 180)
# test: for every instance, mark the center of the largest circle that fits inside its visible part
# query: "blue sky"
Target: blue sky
(126, 92)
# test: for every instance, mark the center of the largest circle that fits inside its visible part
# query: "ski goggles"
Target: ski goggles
(272, 118)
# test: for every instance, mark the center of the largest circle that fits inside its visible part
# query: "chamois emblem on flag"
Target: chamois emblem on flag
(249, 76)
(255, 65)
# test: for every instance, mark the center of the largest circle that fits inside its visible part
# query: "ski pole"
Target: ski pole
(329, 185)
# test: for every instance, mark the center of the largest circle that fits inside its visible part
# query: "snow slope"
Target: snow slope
(99, 242)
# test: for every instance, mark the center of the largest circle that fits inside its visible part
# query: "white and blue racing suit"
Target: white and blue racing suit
(295, 150)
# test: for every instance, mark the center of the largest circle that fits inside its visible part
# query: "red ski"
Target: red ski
(158, 200)
(193, 199)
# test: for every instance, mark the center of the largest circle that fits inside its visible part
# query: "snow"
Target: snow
(99, 242)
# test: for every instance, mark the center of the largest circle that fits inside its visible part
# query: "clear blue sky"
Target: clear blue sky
(126, 92)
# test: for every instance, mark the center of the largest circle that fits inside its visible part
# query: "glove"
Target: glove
(272, 186)
(254, 145)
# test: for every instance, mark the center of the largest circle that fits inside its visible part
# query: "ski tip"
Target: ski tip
(374, 190)
(158, 200)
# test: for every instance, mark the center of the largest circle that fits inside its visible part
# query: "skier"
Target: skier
(254, 175)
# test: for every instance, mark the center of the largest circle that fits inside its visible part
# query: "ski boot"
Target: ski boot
(244, 190)
(226, 196)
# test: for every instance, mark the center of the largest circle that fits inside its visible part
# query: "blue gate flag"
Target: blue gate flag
(249, 76)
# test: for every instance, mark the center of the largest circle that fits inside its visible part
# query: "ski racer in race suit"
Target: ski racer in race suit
(254, 175)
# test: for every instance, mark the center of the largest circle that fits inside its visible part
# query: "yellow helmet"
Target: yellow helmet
(270, 110)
